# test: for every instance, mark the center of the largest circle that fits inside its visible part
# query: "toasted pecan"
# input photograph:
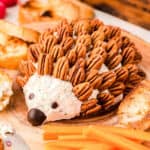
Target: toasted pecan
(94, 62)
(61, 68)
(45, 64)
(108, 79)
(94, 78)
(121, 74)
(117, 88)
(128, 55)
(83, 91)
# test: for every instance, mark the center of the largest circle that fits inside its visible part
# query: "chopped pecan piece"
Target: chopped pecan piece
(117, 88)
(108, 79)
(45, 64)
(94, 78)
(61, 68)
(83, 91)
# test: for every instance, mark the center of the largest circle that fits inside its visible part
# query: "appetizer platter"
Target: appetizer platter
(73, 79)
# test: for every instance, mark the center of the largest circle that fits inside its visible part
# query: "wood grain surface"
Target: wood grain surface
(16, 112)
(135, 11)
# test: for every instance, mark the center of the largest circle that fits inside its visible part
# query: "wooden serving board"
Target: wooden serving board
(16, 112)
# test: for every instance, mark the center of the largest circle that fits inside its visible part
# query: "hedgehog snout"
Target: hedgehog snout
(36, 117)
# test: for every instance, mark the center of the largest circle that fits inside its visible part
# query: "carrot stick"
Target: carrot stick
(75, 144)
(72, 137)
(116, 140)
(129, 133)
(52, 132)
(56, 147)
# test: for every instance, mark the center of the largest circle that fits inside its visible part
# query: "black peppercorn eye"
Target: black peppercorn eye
(54, 105)
(31, 96)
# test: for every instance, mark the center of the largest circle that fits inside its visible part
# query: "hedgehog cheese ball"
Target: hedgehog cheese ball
(82, 68)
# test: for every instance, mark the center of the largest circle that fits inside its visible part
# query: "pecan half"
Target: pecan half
(97, 36)
(66, 43)
(45, 34)
(132, 68)
(27, 68)
(72, 56)
(61, 68)
(101, 44)
(138, 57)
(94, 78)
(21, 80)
(84, 40)
(141, 73)
(121, 74)
(56, 52)
(126, 42)
(81, 62)
(88, 104)
(92, 111)
(99, 51)
(80, 50)
(128, 55)
(128, 89)
(106, 100)
(83, 91)
(108, 79)
(63, 31)
(34, 52)
(94, 62)
(114, 62)
(76, 75)
(111, 32)
(48, 43)
(82, 27)
(95, 24)
(117, 88)
(134, 79)
(45, 64)
(112, 45)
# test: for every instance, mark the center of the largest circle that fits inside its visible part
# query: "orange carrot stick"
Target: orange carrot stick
(129, 133)
(116, 140)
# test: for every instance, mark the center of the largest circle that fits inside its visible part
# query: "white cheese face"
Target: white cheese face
(42, 91)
